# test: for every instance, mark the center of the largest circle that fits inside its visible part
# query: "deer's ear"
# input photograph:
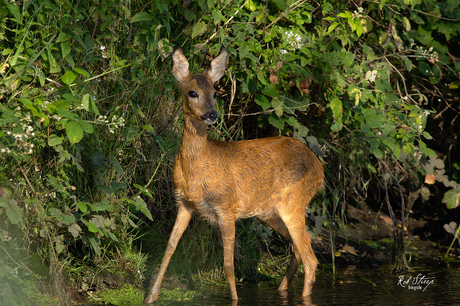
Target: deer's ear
(180, 65)
(217, 68)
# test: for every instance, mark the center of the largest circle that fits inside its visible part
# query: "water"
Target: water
(350, 286)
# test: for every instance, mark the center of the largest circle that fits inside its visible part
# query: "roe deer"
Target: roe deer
(272, 179)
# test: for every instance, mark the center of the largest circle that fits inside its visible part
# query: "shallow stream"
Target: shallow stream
(350, 286)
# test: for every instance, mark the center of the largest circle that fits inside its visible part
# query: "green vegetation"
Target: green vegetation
(90, 122)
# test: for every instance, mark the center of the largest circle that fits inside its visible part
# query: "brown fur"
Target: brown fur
(272, 179)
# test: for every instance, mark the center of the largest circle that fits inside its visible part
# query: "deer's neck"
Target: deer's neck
(194, 140)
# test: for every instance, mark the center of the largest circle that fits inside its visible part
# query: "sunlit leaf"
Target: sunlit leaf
(142, 16)
(54, 140)
(199, 29)
(74, 131)
(452, 198)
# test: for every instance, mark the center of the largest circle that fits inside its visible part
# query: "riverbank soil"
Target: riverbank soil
(367, 236)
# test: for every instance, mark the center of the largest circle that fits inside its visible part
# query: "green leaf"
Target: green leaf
(106, 189)
(263, 101)
(14, 213)
(427, 151)
(276, 121)
(189, 14)
(82, 206)
(14, 10)
(243, 51)
(270, 91)
(300, 132)
(98, 158)
(407, 63)
(376, 151)
(63, 37)
(415, 2)
(199, 29)
(81, 71)
(68, 77)
(293, 122)
(142, 16)
(54, 140)
(452, 198)
(101, 206)
(337, 126)
(87, 127)
(332, 27)
(118, 186)
(250, 5)
(142, 206)
(75, 230)
(278, 107)
(74, 131)
(144, 190)
(65, 49)
(336, 107)
(217, 16)
(95, 244)
(424, 68)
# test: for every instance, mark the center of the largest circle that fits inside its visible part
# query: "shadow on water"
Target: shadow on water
(348, 287)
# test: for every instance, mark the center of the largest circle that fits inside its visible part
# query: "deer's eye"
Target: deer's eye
(215, 94)
(192, 94)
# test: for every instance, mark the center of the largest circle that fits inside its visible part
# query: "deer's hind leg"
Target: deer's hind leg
(276, 223)
(295, 223)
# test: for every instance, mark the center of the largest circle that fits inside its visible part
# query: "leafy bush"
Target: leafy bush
(89, 106)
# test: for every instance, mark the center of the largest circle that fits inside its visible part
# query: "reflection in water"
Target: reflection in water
(348, 287)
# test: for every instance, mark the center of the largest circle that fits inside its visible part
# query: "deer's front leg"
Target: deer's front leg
(227, 229)
(184, 215)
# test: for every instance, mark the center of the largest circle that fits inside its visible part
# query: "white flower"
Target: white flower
(282, 51)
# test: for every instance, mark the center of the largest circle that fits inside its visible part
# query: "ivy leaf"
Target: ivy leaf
(452, 198)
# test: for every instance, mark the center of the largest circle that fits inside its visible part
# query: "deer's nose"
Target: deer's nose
(210, 117)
